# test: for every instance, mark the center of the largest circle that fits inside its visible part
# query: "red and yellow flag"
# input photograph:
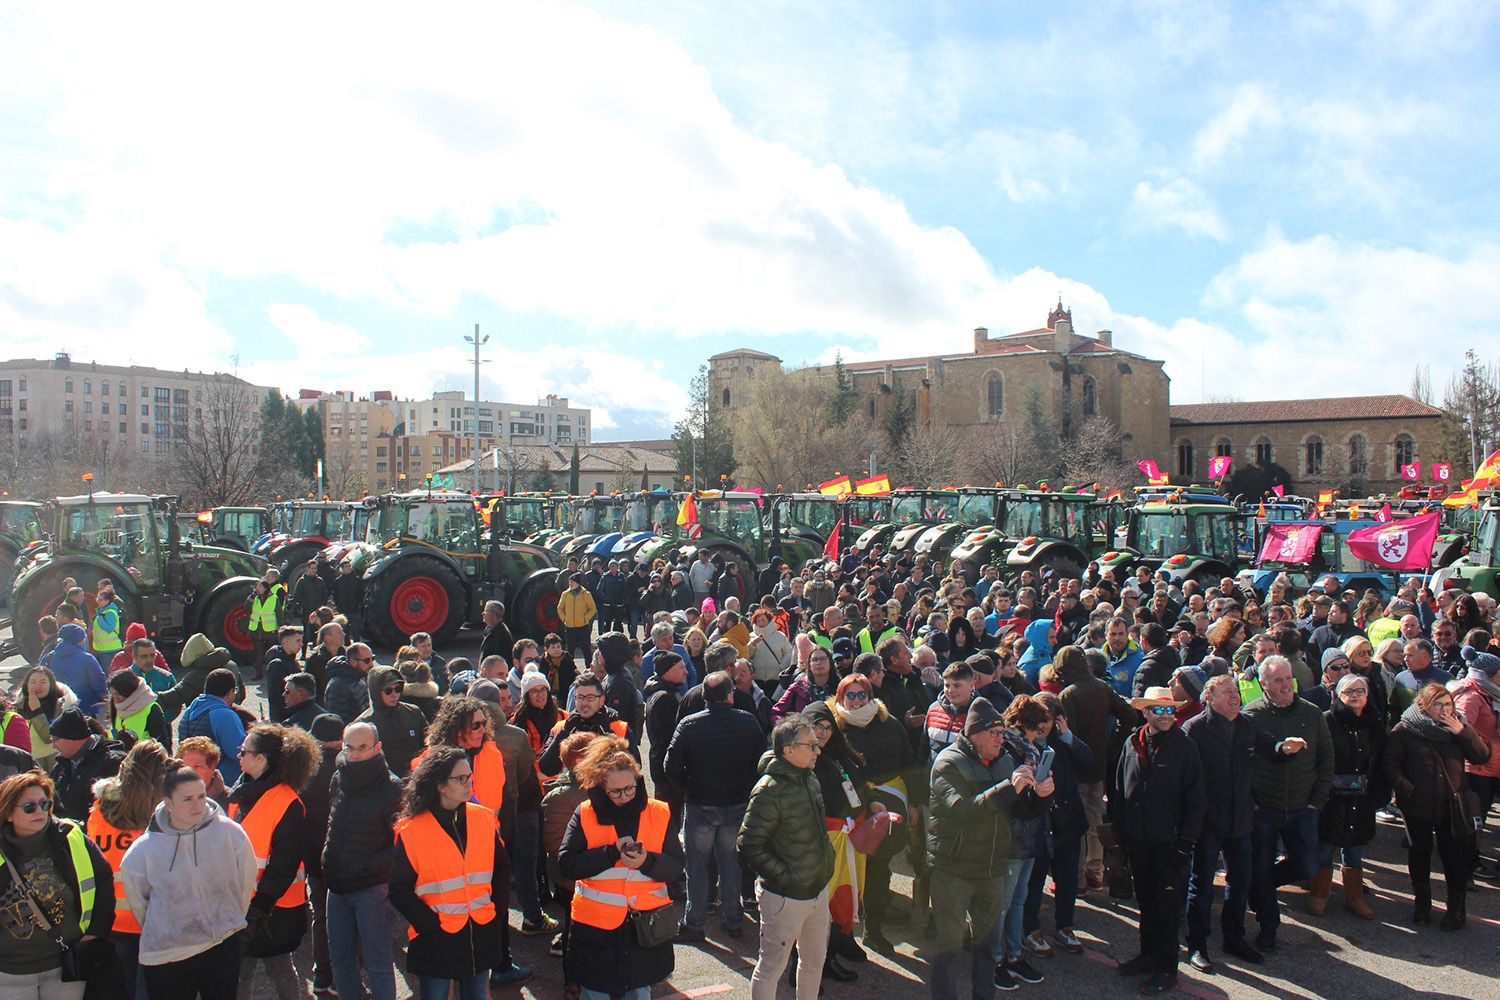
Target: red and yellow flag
(837, 486)
(874, 486)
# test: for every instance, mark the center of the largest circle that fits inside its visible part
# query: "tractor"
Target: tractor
(174, 587)
(429, 566)
(858, 514)
(977, 508)
(647, 515)
(912, 511)
(237, 527)
(20, 527)
(315, 525)
(1035, 530)
(1189, 535)
(810, 516)
(1479, 568)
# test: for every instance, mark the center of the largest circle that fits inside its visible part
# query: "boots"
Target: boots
(1317, 897)
(1421, 912)
(1456, 915)
(1354, 893)
(842, 944)
(921, 911)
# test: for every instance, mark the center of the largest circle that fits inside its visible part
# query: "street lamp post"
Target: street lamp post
(478, 343)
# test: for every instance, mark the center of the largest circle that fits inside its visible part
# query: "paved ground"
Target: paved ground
(1332, 956)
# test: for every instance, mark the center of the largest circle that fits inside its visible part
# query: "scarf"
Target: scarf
(1486, 684)
(1425, 726)
(860, 717)
(135, 701)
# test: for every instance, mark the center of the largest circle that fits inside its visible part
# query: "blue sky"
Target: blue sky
(1278, 199)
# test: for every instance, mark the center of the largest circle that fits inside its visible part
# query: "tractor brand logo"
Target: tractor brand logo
(1393, 546)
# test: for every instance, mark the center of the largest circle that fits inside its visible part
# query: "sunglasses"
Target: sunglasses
(40, 805)
(393, 689)
(856, 697)
(475, 727)
(1160, 710)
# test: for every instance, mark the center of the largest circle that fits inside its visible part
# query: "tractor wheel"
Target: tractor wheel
(42, 593)
(534, 609)
(415, 595)
(8, 555)
(292, 561)
(224, 619)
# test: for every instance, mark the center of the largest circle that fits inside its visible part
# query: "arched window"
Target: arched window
(1313, 464)
(1185, 458)
(994, 396)
(1406, 451)
(1090, 397)
(1359, 457)
(1223, 447)
(1263, 451)
(726, 397)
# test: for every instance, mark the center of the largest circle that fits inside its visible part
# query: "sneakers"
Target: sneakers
(1024, 970)
(511, 975)
(555, 949)
(1094, 881)
(1065, 939)
(546, 925)
(1036, 944)
(1004, 980)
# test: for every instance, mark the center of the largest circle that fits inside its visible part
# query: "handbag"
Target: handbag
(654, 927)
(1461, 821)
(91, 961)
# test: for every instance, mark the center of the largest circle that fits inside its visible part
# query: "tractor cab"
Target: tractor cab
(978, 507)
(1033, 529)
(1189, 534)
(1479, 568)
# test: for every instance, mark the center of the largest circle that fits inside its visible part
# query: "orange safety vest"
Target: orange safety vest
(603, 900)
(618, 727)
(454, 884)
(489, 775)
(113, 843)
(259, 823)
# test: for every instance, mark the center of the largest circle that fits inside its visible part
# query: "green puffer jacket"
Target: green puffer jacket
(968, 835)
(783, 836)
(1298, 780)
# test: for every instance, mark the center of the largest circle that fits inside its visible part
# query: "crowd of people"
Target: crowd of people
(682, 759)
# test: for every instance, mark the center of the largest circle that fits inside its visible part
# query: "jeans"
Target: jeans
(475, 987)
(963, 902)
(1063, 864)
(38, 986)
(317, 901)
(361, 921)
(1297, 830)
(785, 922)
(1353, 856)
(523, 856)
(711, 830)
(1200, 899)
(639, 993)
(1004, 941)
(638, 621)
(210, 975)
(128, 950)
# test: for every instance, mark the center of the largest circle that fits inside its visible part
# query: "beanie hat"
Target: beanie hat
(1192, 680)
(197, 645)
(982, 716)
(485, 690)
(533, 679)
(1486, 663)
(615, 647)
(460, 682)
(71, 725)
(327, 728)
(1333, 655)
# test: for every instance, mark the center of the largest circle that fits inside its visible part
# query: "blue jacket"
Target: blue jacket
(1039, 653)
(1121, 671)
(648, 666)
(210, 716)
(76, 667)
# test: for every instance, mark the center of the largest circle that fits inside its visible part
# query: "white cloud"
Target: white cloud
(1174, 201)
(1251, 109)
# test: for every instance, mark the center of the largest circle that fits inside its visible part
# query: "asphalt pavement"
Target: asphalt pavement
(1336, 955)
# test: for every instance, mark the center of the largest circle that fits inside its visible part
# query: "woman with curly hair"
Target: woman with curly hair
(450, 877)
(464, 722)
(276, 763)
(617, 851)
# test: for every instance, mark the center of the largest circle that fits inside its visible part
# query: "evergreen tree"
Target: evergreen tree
(899, 415)
(573, 471)
(1471, 421)
(844, 398)
(702, 439)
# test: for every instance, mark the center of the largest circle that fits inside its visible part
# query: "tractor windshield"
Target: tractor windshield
(819, 515)
(1161, 533)
(865, 512)
(1487, 542)
(18, 522)
(1023, 518)
(975, 509)
(525, 517)
(905, 510)
(735, 518)
(129, 534)
(637, 515)
(663, 513)
(446, 525)
(281, 519)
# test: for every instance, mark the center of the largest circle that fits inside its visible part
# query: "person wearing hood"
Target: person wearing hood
(1477, 697)
(188, 881)
(1158, 813)
(212, 714)
(199, 658)
(402, 727)
(1424, 761)
(122, 808)
(347, 693)
(278, 762)
(357, 855)
(1039, 636)
(1347, 823)
(71, 664)
(620, 693)
(133, 709)
(84, 756)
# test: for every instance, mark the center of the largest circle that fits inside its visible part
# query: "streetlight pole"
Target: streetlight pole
(478, 343)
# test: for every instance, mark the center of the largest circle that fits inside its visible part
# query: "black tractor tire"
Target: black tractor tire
(8, 555)
(292, 561)
(42, 593)
(415, 594)
(533, 611)
(223, 619)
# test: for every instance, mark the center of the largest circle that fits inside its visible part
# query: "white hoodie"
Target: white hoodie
(189, 888)
(771, 655)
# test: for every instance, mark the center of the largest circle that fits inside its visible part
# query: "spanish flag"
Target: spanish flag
(837, 486)
(874, 486)
(687, 516)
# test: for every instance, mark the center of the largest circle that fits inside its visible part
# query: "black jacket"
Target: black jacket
(279, 666)
(99, 758)
(1156, 670)
(624, 699)
(1071, 756)
(693, 702)
(497, 641)
(1224, 750)
(303, 715)
(662, 699)
(348, 595)
(317, 663)
(309, 593)
(1160, 798)
(713, 756)
(551, 761)
(434, 951)
(315, 800)
(360, 847)
(401, 727)
(1348, 818)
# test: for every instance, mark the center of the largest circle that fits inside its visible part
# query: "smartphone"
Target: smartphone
(1044, 765)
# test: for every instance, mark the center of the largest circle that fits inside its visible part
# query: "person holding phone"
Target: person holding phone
(1064, 757)
(1157, 812)
(1027, 725)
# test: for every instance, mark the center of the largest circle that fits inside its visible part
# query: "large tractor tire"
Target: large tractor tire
(534, 608)
(8, 555)
(223, 619)
(416, 594)
(292, 560)
(42, 593)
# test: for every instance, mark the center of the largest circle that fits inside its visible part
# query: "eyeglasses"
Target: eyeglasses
(1362, 692)
(809, 746)
(462, 779)
(36, 806)
(393, 689)
(476, 725)
(1160, 710)
(580, 696)
(620, 793)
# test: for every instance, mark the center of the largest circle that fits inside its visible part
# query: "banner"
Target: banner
(1414, 471)
(1487, 476)
(831, 549)
(1291, 543)
(1148, 469)
(1441, 472)
(874, 486)
(1279, 490)
(837, 487)
(1218, 466)
(1400, 545)
(1161, 480)
(1384, 514)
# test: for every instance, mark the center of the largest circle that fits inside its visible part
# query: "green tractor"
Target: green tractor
(977, 507)
(810, 516)
(1479, 568)
(237, 527)
(1191, 535)
(858, 514)
(20, 527)
(430, 566)
(1033, 530)
(730, 525)
(174, 587)
(912, 511)
(526, 514)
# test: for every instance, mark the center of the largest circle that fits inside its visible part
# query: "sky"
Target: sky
(1278, 199)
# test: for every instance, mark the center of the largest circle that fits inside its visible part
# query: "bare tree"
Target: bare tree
(514, 466)
(342, 471)
(929, 456)
(1096, 455)
(783, 434)
(218, 463)
(1421, 384)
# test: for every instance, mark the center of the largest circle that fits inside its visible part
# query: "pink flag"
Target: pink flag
(1294, 543)
(1148, 468)
(1279, 490)
(1218, 466)
(1400, 545)
(1414, 471)
(1441, 472)
(1384, 514)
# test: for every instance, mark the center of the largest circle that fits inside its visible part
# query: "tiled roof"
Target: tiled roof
(744, 352)
(1270, 411)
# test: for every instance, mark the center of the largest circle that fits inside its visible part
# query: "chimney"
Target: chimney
(1106, 337)
(1062, 335)
(981, 338)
